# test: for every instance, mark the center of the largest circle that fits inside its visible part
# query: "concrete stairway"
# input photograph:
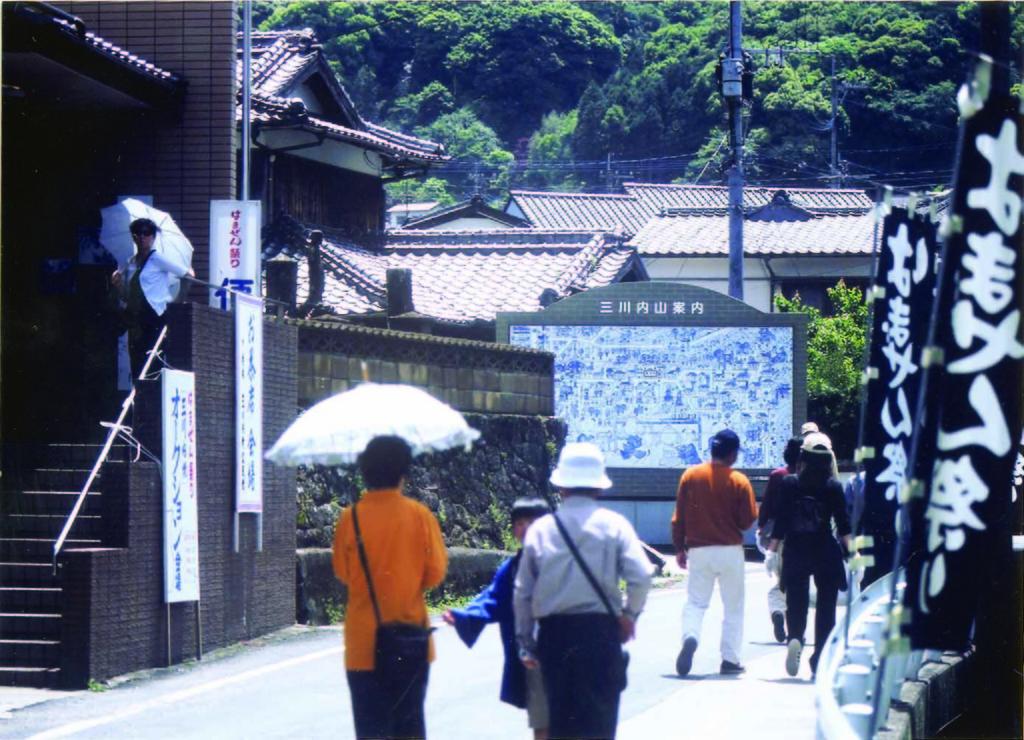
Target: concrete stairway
(39, 491)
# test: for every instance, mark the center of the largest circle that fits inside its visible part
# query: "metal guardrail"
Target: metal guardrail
(848, 671)
(115, 430)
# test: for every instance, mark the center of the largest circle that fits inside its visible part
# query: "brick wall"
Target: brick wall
(187, 159)
(114, 618)
(469, 375)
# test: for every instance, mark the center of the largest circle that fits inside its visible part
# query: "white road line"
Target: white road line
(177, 696)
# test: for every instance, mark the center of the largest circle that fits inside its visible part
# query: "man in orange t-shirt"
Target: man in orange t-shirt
(406, 556)
(714, 506)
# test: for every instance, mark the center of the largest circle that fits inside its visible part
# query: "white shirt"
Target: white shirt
(550, 581)
(159, 280)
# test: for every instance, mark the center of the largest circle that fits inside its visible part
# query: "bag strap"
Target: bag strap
(365, 564)
(583, 566)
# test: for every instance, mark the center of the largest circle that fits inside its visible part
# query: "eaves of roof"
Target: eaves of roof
(405, 336)
(708, 236)
(284, 59)
(467, 209)
(49, 31)
(291, 113)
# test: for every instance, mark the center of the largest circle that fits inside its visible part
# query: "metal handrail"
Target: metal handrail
(115, 430)
(844, 702)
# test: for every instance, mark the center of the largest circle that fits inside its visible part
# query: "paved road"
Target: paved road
(293, 685)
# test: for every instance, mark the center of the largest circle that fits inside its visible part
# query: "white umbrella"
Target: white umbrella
(171, 244)
(336, 430)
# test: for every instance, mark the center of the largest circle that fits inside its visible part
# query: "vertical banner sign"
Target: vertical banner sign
(248, 404)
(904, 290)
(181, 518)
(960, 525)
(235, 247)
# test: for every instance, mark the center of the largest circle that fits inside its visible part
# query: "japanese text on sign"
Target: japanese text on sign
(249, 404)
(181, 518)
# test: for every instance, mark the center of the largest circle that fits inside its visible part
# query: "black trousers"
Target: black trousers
(822, 562)
(384, 707)
(142, 333)
(579, 658)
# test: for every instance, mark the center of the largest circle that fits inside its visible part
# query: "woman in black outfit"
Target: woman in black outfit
(808, 505)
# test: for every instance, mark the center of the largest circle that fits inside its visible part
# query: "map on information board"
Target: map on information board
(652, 396)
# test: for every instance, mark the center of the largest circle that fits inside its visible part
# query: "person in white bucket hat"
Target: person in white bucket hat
(569, 612)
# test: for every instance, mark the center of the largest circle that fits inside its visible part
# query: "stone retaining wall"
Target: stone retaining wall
(471, 493)
(319, 596)
(937, 697)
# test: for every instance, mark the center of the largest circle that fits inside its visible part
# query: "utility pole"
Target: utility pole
(732, 92)
(246, 88)
(608, 173)
(833, 149)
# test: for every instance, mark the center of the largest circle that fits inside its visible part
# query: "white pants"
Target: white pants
(723, 563)
(776, 599)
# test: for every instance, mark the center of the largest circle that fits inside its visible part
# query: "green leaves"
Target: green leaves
(835, 344)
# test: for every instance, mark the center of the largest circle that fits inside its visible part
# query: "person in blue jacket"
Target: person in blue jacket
(520, 686)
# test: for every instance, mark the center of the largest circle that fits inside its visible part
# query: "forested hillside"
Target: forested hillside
(576, 95)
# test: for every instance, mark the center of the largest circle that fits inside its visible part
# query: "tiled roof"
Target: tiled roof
(582, 210)
(281, 60)
(45, 23)
(715, 198)
(465, 276)
(472, 208)
(413, 207)
(678, 233)
(642, 201)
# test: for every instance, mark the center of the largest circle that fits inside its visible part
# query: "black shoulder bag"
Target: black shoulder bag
(621, 669)
(401, 648)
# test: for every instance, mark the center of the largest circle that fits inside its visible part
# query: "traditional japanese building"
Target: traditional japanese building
(457, 280)
(315, 158)
(470, 215)
(101, 100)
(796, 240)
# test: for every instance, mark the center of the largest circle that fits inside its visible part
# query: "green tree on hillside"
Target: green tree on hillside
(835, 361)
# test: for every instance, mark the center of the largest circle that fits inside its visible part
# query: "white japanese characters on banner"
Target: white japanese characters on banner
(248, 404)
(235, 246)
(967, 500)
(903, 293)
(181, 516)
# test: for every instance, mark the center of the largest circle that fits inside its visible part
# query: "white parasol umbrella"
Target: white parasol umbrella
(336, 430)
(171, 244)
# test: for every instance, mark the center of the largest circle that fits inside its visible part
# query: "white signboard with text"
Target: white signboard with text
(248, 404)
(181, 516)
(235, 246)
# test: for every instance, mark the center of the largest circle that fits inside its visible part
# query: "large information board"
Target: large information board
(649, 371)
(652, 396)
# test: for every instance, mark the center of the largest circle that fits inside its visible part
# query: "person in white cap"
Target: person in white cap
(808, 505)
(569, 611)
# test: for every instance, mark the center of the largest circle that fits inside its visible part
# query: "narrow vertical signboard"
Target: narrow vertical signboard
(249, 410)
(235, 246)
(181, 518)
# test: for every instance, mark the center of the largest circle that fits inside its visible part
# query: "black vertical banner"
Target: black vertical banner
(904, 288)
(961, 524)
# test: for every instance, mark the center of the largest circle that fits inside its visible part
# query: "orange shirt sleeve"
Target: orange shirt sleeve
(338, 555)
(678, 521)
(436, 556)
